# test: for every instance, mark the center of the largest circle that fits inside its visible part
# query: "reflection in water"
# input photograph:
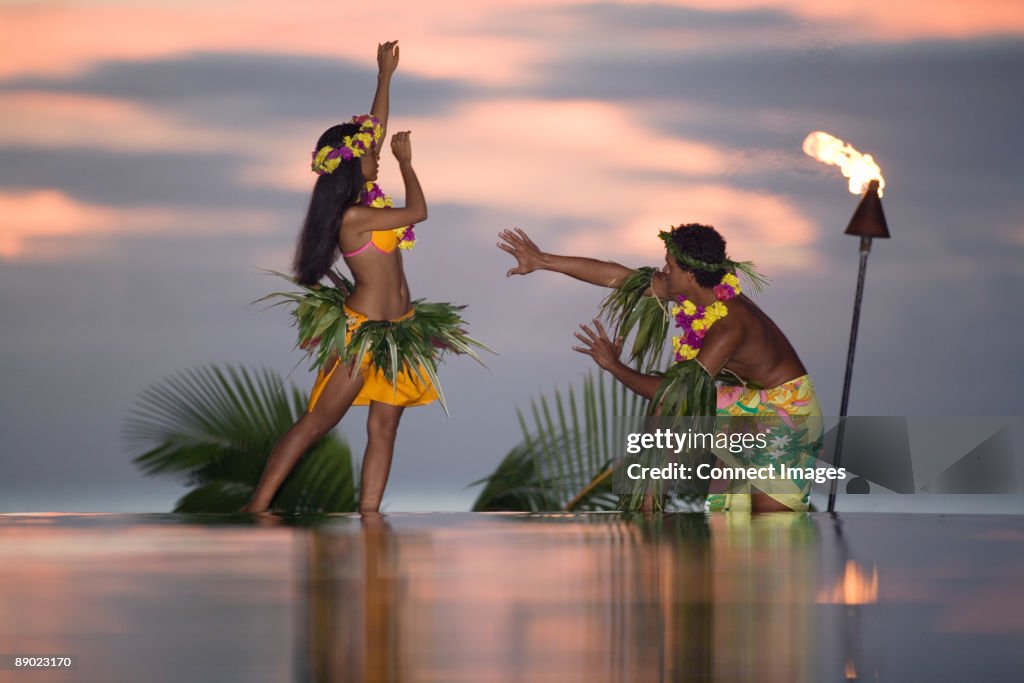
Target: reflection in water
(683, 597)
(354, 624)
(510, 597)
(855, 587)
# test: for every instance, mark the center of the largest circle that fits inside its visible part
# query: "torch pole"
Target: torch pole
(865, 249)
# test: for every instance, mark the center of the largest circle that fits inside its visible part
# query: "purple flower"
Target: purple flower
(724, 292)
(334, 153)
(346, 153)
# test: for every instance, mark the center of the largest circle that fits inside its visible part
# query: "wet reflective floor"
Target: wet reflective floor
(508, 597)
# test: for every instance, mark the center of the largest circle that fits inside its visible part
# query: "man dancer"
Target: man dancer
(723, 331)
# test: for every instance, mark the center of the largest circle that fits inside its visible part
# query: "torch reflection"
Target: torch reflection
(854, 589)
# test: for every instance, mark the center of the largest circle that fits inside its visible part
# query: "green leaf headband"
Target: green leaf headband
(755, 280)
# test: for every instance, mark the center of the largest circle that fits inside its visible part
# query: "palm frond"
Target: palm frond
(318, 313)
(755, 280)
(629, 311)
(567, 445)
(214, 428)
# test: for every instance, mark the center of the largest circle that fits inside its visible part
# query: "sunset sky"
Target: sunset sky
(154, 155)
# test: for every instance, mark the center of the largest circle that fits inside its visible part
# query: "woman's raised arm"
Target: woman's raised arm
(387, 62)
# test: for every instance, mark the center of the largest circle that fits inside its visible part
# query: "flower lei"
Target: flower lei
(695, 321)
(327, 159)
(375, 197)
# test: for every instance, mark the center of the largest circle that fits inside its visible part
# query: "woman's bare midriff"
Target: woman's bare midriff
(381, 291)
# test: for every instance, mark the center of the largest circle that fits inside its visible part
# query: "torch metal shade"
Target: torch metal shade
(869, 219)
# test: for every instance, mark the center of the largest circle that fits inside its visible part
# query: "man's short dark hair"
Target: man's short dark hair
(703, 243)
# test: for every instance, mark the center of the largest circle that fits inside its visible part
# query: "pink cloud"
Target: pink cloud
(589, 161)
(49, 225)
(65, 38)
(581, 158)
(55, 120)
(445, 38)
(768, 229)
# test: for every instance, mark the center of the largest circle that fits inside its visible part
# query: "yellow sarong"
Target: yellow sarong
(408, 389)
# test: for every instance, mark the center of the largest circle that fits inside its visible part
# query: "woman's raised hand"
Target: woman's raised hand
(401, 147)
(387, 57)
(527, 254)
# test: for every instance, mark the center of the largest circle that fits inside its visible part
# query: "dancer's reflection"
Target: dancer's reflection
(354, 603)
(676, 579)
(380, 600)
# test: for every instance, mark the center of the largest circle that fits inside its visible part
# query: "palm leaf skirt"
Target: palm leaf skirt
(415, 344)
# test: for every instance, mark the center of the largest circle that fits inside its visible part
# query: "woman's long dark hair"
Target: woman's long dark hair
(332, 195)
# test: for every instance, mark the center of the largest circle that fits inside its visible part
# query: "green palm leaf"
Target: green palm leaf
(215, 428)
(566, 453)
(630, 312)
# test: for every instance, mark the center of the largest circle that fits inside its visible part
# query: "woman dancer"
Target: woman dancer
(349, 213)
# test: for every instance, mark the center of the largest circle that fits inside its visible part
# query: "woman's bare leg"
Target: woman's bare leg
(341, 389)
(381, 430)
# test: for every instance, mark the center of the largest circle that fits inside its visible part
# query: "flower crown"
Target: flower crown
(746, 268)
(327, 158)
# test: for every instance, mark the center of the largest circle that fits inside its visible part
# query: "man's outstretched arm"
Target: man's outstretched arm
(529, 258)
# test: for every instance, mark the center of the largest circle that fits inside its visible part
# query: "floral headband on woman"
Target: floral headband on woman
(327, 158)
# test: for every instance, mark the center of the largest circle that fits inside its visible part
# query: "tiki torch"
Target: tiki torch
(868, 222)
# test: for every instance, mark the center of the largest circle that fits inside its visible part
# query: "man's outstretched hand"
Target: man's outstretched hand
(598, 346)
(527, 254)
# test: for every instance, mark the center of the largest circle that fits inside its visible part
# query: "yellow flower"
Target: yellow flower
(700, 324)
(689, 308)
(318, 161)
(731, 280)
(715, 311)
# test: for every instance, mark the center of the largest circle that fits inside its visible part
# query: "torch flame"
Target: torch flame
(861, 169)
(855, 588)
